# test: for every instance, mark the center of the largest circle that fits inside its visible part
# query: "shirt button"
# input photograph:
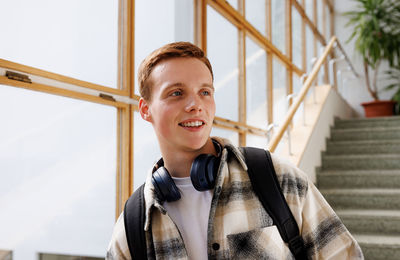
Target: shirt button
(215, 246)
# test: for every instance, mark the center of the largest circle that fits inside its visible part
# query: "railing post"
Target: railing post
(331, 66)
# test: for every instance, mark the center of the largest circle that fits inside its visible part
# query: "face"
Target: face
(182, 106)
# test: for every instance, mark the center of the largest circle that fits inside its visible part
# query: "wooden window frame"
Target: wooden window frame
(126, 100)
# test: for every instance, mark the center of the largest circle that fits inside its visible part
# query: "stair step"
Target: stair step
(373, 133)
(363, 147)
(379, 246)
(371, 221)
(368, 122)
(360, 162)
(359, 179)
(362, 198)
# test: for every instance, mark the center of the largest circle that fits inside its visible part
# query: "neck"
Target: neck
(180, 162)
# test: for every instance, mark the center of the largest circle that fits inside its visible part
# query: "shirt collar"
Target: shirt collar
(151, 200)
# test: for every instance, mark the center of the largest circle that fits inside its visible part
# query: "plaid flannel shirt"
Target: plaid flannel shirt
(239, 227)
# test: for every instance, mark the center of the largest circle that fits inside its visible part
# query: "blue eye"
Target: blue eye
(176, 93)
(205, 93)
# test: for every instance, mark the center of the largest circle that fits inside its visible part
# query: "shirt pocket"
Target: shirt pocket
(262, 243)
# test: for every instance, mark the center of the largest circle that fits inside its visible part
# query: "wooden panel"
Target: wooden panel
(315, 21)
(200, 24)
(270, 86)
(126, 43)
(301, 11)
(38, 72)
(332, 18)
(324, 32)
(330, 5)
(125, 116)
(124, 171)
(238, 126)
(118, 175)
(289, 45)
(276, 139)
(270, 97)
(303, 40)
(60, 92)
(242, 76)
(239, 21)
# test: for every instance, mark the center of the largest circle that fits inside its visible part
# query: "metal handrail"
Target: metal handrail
(347, 59)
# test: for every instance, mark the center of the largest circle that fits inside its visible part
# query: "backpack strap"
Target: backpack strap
(134, 217)
(265, 184)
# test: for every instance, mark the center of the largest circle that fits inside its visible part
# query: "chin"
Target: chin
(198, 145)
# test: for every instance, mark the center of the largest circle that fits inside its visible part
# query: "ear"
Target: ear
(144, 110)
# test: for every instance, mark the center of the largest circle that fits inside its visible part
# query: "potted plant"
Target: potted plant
(377, 39)
(394, 76)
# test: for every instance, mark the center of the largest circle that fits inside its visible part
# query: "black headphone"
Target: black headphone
(202, 173)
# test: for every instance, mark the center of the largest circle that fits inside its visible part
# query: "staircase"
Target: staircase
(360, 178)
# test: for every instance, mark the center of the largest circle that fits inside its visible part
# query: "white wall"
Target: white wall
(335, 106)
(355, 91)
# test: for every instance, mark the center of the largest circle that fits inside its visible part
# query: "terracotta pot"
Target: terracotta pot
(379, 108)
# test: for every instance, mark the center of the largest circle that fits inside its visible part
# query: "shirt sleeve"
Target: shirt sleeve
(118, 247)
(324, 234)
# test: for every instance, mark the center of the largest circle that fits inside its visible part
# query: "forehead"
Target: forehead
(180, 69)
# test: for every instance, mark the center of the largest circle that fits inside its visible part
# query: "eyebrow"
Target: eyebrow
(179, 84)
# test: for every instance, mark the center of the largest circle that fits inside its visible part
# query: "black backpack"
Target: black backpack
(266, 186)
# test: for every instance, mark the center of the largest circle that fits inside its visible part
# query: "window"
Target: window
(172, 20)
(232, 136)
(74, 38)
(297, 38)
(222, 50)
(279, 92)
(57, 187)
(256, 85)
(68, 156)
(278, 24)
(256, 14)
(146, 150)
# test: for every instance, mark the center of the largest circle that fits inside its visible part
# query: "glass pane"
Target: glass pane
(146, 150)
(309, 9)
(70, 37)
(320, 6)
(257, 141)
(309, 48)
(46, 256)
(174, 23)
(58, 164)
(278, 24)
(327, 24)
(321, 72)
(228, 134)
(279, 92)
(296, 37)
(256, 84)
(256, 14)
(222, 50)
(233, 3)
(297, 84)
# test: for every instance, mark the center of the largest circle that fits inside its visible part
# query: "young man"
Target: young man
(227, 221)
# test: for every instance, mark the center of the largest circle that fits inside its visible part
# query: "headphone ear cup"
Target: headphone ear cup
(203, 172)
(164, 185)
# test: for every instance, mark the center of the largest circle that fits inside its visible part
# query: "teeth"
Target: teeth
(192, 124)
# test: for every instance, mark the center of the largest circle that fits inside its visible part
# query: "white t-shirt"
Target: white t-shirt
(190, 214)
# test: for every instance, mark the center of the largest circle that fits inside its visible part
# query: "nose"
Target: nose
(193, 104)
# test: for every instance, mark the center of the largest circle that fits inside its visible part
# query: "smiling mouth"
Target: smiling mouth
(192, 124)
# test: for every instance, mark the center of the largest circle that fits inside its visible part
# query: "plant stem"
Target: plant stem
(375, 78)
(371, 92)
